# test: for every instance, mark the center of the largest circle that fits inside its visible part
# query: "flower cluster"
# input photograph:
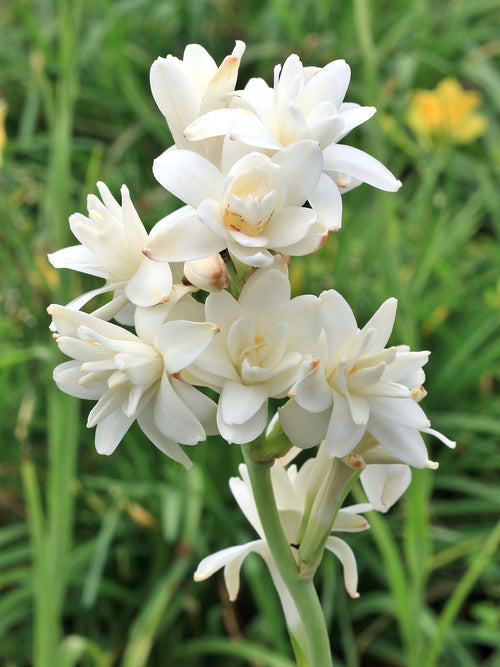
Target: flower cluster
(260, 172)
(293, 488)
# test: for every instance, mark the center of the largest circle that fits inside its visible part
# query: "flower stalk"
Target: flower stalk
(313, 627)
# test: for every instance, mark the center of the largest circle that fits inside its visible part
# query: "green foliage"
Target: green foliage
(97, 554)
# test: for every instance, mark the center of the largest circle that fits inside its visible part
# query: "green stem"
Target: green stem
(301, 590)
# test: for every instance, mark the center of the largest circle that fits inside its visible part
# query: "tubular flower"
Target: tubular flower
(289, 488)
(111, 241)
(305, 103)
(262, 348)
(254, 208)
(358, 385)
(136, 377)
(188, 88)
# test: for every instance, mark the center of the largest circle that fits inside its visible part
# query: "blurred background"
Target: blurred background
(97, 554)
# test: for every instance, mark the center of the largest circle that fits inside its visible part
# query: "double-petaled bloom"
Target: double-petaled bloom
(188, 88)
(290, 488)
(263, 347)
(111, 241)
(305, 103)
(358, 386)
(253, 208)
(136, 377)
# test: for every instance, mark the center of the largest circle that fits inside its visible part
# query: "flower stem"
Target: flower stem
(301, 590)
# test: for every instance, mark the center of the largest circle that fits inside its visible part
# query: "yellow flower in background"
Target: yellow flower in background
(3, 134)
(447, 112)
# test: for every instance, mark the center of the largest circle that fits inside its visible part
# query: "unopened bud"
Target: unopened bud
(209, 274)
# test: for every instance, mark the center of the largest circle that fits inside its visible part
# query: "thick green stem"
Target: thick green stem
(301, 590)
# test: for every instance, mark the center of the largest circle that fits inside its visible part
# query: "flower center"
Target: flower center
(238, 223)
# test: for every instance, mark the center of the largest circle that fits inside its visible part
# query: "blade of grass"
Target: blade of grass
(464, 587)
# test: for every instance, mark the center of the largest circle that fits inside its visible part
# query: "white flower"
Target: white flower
(185, 89)
(255, 207)
(358, 385)
(136, 376)
(290, 489)
(112, 238)
(305, 103)
(262, 348)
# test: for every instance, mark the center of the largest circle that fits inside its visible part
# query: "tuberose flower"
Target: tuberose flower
(254, 207)
(357, 385)
(185, 89)
(290, 488)
(136, 376)
(306, 103)
(111, 241)
(263, 347)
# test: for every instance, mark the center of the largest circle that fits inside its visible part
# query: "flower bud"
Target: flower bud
(209, 274)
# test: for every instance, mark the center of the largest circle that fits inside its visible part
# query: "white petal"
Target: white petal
(353, 162)
(250, 256)
(342, 75)
(405, 364)
(217, 363)
(245, 432)
(303, 429)
(343, 433)
(215, 123)
(289, 227)
(404, 442)
(313, 240)
(383, 322)
(180, 237)
(200, 405)
(402, 410)
(241, 335)
(302, 314)
(223, 81)
(326, 200)
(108, 403)
(231, 559)
(210, 215)
(111, 430)
(222, 309)
(174, 418)
(338, 321)
(384, 484)
(262, 297)
(239, 403)
(188, 176)
(241, 489)
(68, 322)
(181, 342)
(350, 522)
(78, 258)
(312, 392)
(150, 284)
(250, 130)
(133, 229)
(302, 163)
(174, 96)
(353, 117)
(67, 377)
(292, 124)
(346, 556)
(146, 421)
